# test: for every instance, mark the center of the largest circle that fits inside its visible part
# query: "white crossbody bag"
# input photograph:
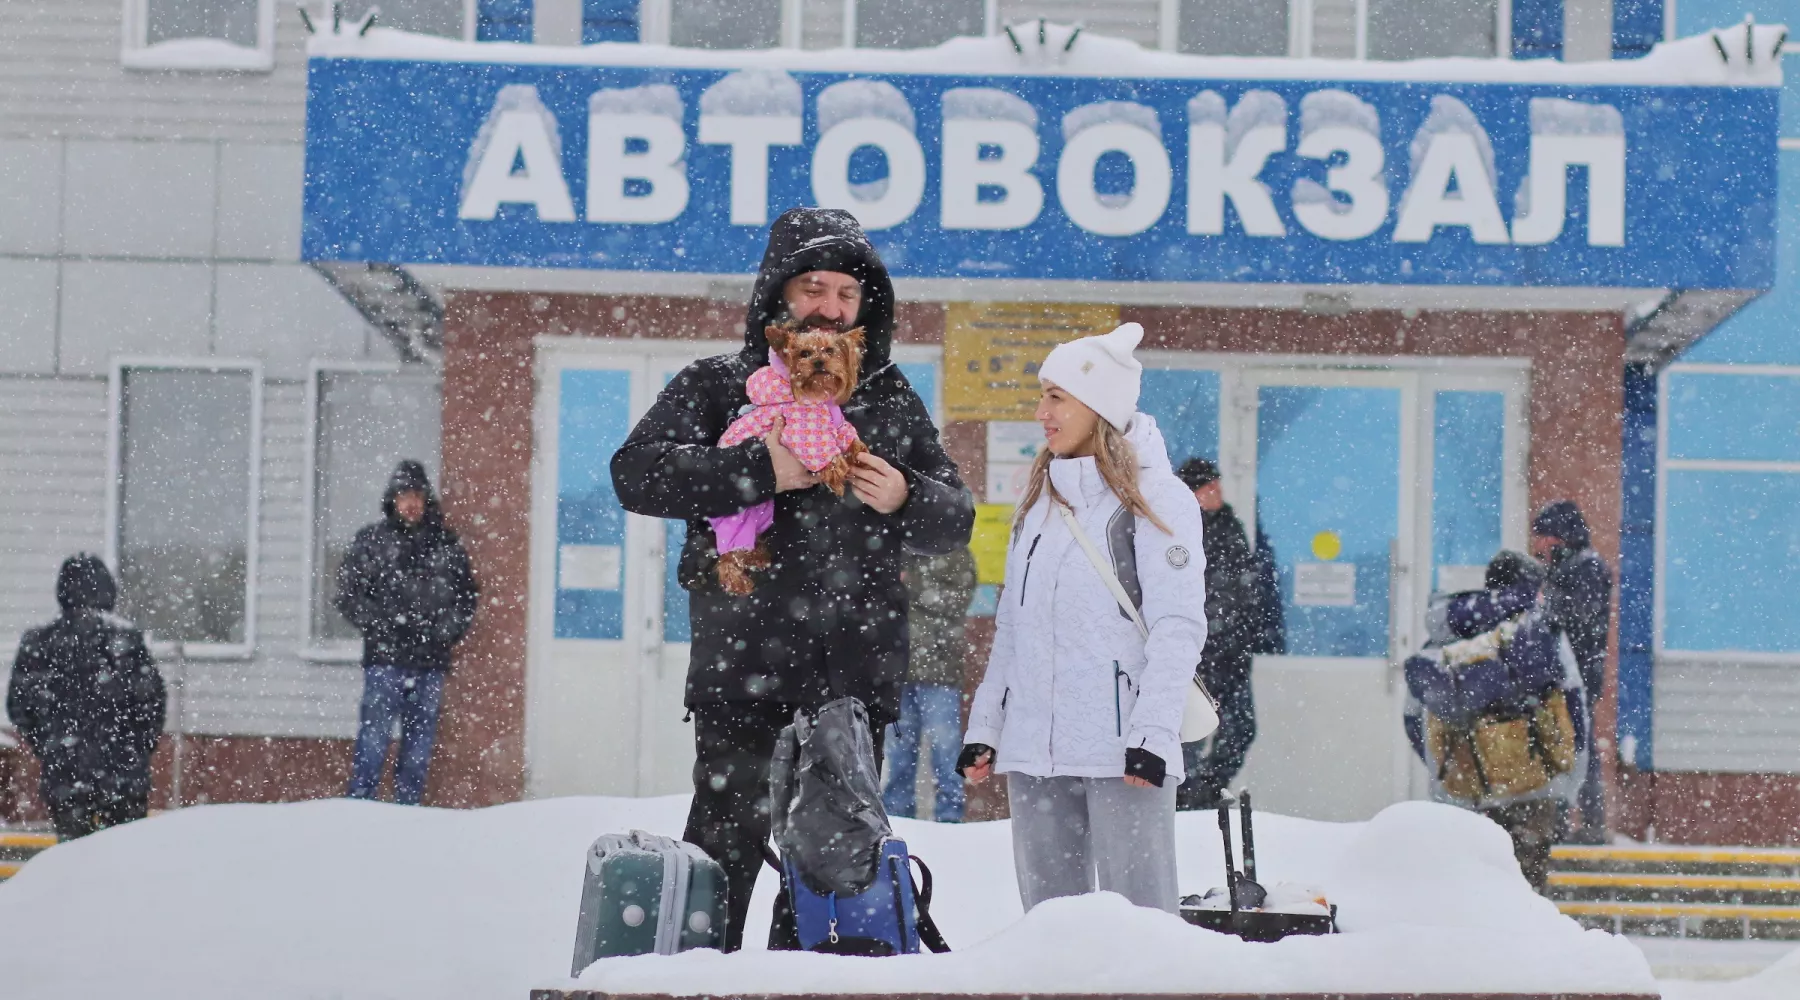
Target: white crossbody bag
(1200, 717)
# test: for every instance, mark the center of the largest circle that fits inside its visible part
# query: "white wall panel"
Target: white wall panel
(140, 199)
(1731, 717)
(260, 189)
(286, 316)
(27, 316)
(1133, 19)
(133, 307)
(60, 76)
(52, 492)
(30, 195)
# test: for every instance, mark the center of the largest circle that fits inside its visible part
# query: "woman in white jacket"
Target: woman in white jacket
(1080, 711)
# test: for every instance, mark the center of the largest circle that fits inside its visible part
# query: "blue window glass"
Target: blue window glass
(590, 525)
(609, 21)
(924, 378)
(1467, 466)
(1734, 417)
(503, 20)
(1731, 561)
(676, 625)
(1185, 403)
(1328, 496)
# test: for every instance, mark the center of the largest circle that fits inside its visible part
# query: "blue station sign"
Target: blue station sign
(1044, 176)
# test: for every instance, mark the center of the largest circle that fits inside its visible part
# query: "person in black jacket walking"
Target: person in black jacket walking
(828, 618)
(1578, 604)
(1234, 621)
(407, 586)
(87, 698)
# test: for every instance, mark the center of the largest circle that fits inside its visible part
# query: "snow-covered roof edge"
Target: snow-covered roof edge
(1743, 55)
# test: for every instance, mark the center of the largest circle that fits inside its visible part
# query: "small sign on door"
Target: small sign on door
(1324, 584)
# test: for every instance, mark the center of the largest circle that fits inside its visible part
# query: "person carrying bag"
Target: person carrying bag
(1101, 620)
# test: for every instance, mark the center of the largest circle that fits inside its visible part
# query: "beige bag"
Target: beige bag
(1200, 717)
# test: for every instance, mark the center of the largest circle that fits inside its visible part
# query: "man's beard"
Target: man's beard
(814, 322)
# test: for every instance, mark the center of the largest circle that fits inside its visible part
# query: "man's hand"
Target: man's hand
(789, 473)
(877, 483)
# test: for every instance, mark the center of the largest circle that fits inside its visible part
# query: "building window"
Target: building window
(200, 35)
(913, 24)
(1729, 527)
(447, 18)
(725, 24)
(185, 486)
(1234, 27)
(365, 421)
(1411, 29)
(1338, 29)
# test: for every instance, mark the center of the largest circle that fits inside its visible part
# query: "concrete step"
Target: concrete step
(1715, 920)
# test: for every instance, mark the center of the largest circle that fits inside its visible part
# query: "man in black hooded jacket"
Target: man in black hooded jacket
(1578, 603)
(88, 700)
(407, 586)
(828, 619)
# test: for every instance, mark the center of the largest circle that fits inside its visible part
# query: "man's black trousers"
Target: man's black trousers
(729, 817)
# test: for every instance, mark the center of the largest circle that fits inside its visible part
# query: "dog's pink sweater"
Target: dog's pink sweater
(815, 432)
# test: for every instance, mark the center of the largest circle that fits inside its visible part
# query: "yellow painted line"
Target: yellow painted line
(40, 841)
(1680, 855)
(1670, 911)
(10, 868)
(1691, 883)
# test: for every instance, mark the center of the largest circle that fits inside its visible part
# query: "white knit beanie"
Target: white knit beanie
(1100, 372)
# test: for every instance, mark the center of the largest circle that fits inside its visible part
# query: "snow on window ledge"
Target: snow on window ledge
(199, 55)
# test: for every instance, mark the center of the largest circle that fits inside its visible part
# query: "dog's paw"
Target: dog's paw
(835, 475)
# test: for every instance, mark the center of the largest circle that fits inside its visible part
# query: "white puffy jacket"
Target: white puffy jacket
(1071, 683)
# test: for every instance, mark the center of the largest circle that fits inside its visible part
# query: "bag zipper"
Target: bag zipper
(1026, 579)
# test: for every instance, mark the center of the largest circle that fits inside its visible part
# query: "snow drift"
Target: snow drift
(354, 900)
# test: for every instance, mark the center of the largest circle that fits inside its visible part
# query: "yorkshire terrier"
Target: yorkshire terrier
(810, 375)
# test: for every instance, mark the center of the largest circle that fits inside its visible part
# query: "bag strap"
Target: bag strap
(929, 935)
(1106, 572)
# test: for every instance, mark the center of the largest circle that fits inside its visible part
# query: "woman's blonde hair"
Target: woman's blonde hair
(1117, 463)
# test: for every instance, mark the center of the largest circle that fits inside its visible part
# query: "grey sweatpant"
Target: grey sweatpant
(1076, 835)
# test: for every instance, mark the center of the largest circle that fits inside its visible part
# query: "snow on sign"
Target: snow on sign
(966, 161)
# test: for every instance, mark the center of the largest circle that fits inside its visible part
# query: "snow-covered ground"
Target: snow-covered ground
(360, 901)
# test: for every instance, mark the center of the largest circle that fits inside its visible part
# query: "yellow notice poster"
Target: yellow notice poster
(992, 351)
(993, 530)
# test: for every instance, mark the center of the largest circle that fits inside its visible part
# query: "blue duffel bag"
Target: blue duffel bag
(890, 917)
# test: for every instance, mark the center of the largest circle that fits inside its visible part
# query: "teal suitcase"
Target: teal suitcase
(648, 895)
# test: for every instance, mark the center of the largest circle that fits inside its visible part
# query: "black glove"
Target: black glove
(1141, 763)
(971, 756)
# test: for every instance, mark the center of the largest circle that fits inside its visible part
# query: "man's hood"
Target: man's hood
(411, 475)
(85, 584)
(1562, 519)
(822, 239)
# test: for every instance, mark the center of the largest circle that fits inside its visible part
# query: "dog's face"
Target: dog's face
(822, 364)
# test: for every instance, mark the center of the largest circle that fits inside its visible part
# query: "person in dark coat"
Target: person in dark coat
(89, 702)
(407, 586)
(1234, 622)
(940, 589)
(1578, 603)
(828, 618)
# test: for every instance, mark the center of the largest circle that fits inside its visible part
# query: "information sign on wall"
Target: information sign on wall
(992, 351)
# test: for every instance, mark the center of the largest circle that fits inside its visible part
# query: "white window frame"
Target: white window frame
(1300, 20)
(115, 441)
(135, 51)
(312, 649)
(1665, 465)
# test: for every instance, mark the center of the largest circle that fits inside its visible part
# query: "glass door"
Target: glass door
(1329, 455)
